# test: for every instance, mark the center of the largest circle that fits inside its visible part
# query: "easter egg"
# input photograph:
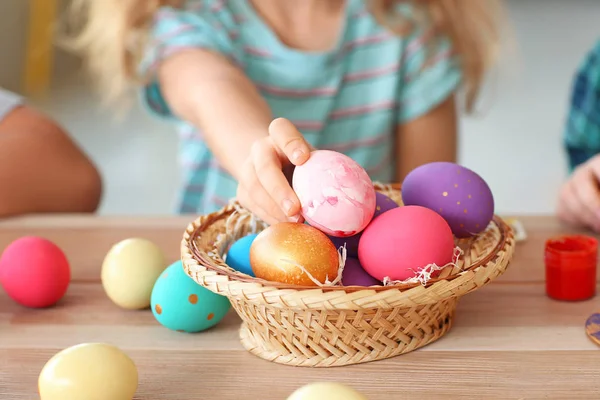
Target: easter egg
(350, 242)
(355, 275)
(129, 271)
(89, 371)
(336, 194)
(287, 252)
(458, 194)
(326, 391)
(180, 304)
(404, 240)
(238, 255)
(383, 203)
(34, 272)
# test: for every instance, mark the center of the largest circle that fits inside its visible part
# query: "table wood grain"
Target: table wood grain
(509, 341)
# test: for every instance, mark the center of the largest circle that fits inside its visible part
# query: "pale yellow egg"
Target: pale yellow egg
(326, 391)
(89, 371)
(129, 272)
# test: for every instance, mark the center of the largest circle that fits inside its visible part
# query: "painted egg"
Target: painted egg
(89, 371)
(238, 255)
(458, 194)
(129, 271)
(34, 272)
(383, 203)
(326, 391)
(355, 275)
(292, 253)
(180, 304)
(402, 241)
(336, 194)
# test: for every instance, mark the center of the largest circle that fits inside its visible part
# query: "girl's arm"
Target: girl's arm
(431, 137)
(204, 89)
(41, 169)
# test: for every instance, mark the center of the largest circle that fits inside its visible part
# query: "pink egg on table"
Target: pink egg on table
(355, 275)
(383, 204)
(336, 193)
(402, 241)
(34, 272)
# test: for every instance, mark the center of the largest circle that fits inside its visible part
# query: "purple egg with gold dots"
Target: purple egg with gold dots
(457, 193)
(383, 204)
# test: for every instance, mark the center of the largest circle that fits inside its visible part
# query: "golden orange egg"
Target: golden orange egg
(286, 251)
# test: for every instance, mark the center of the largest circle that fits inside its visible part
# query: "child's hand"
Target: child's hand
(579, 200)
(264, 187)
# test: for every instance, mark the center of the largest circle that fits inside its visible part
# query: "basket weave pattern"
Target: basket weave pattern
(329, 338)
(335, 326)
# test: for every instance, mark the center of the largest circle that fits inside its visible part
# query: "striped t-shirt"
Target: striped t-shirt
(349, 99)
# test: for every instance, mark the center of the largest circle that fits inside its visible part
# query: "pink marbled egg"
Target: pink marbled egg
(336, 193)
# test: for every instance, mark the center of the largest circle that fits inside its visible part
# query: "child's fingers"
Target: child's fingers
(270, 175)
(257, 194)
(245, 200)
(575, 209)
(289, 141)
(586, 189)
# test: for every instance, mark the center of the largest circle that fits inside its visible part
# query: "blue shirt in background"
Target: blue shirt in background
(582, 131)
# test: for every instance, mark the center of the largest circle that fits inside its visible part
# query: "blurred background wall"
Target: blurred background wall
(13, 26)
(514, 142)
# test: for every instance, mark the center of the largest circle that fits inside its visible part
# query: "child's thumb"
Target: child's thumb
(289, 141)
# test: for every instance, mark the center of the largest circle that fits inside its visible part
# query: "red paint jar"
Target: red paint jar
(571, 264)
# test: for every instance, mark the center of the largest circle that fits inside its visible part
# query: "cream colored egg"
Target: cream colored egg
(129, 272)
(90, 371)
(326, 391)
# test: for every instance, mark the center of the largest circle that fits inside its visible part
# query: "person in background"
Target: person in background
(41, 169)
(254, 85)
(579, 196)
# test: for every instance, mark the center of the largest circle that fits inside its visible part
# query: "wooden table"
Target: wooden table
(509, 340)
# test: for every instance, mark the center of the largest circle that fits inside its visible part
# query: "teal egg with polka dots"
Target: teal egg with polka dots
(180, 304)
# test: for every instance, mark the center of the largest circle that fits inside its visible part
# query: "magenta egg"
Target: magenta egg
(34, 272)
(404, 240)
(336, 193)
(457, 193)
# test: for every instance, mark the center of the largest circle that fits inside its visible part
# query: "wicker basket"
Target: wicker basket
(336, 326)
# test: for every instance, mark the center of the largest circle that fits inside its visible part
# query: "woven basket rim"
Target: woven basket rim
(191, 245)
